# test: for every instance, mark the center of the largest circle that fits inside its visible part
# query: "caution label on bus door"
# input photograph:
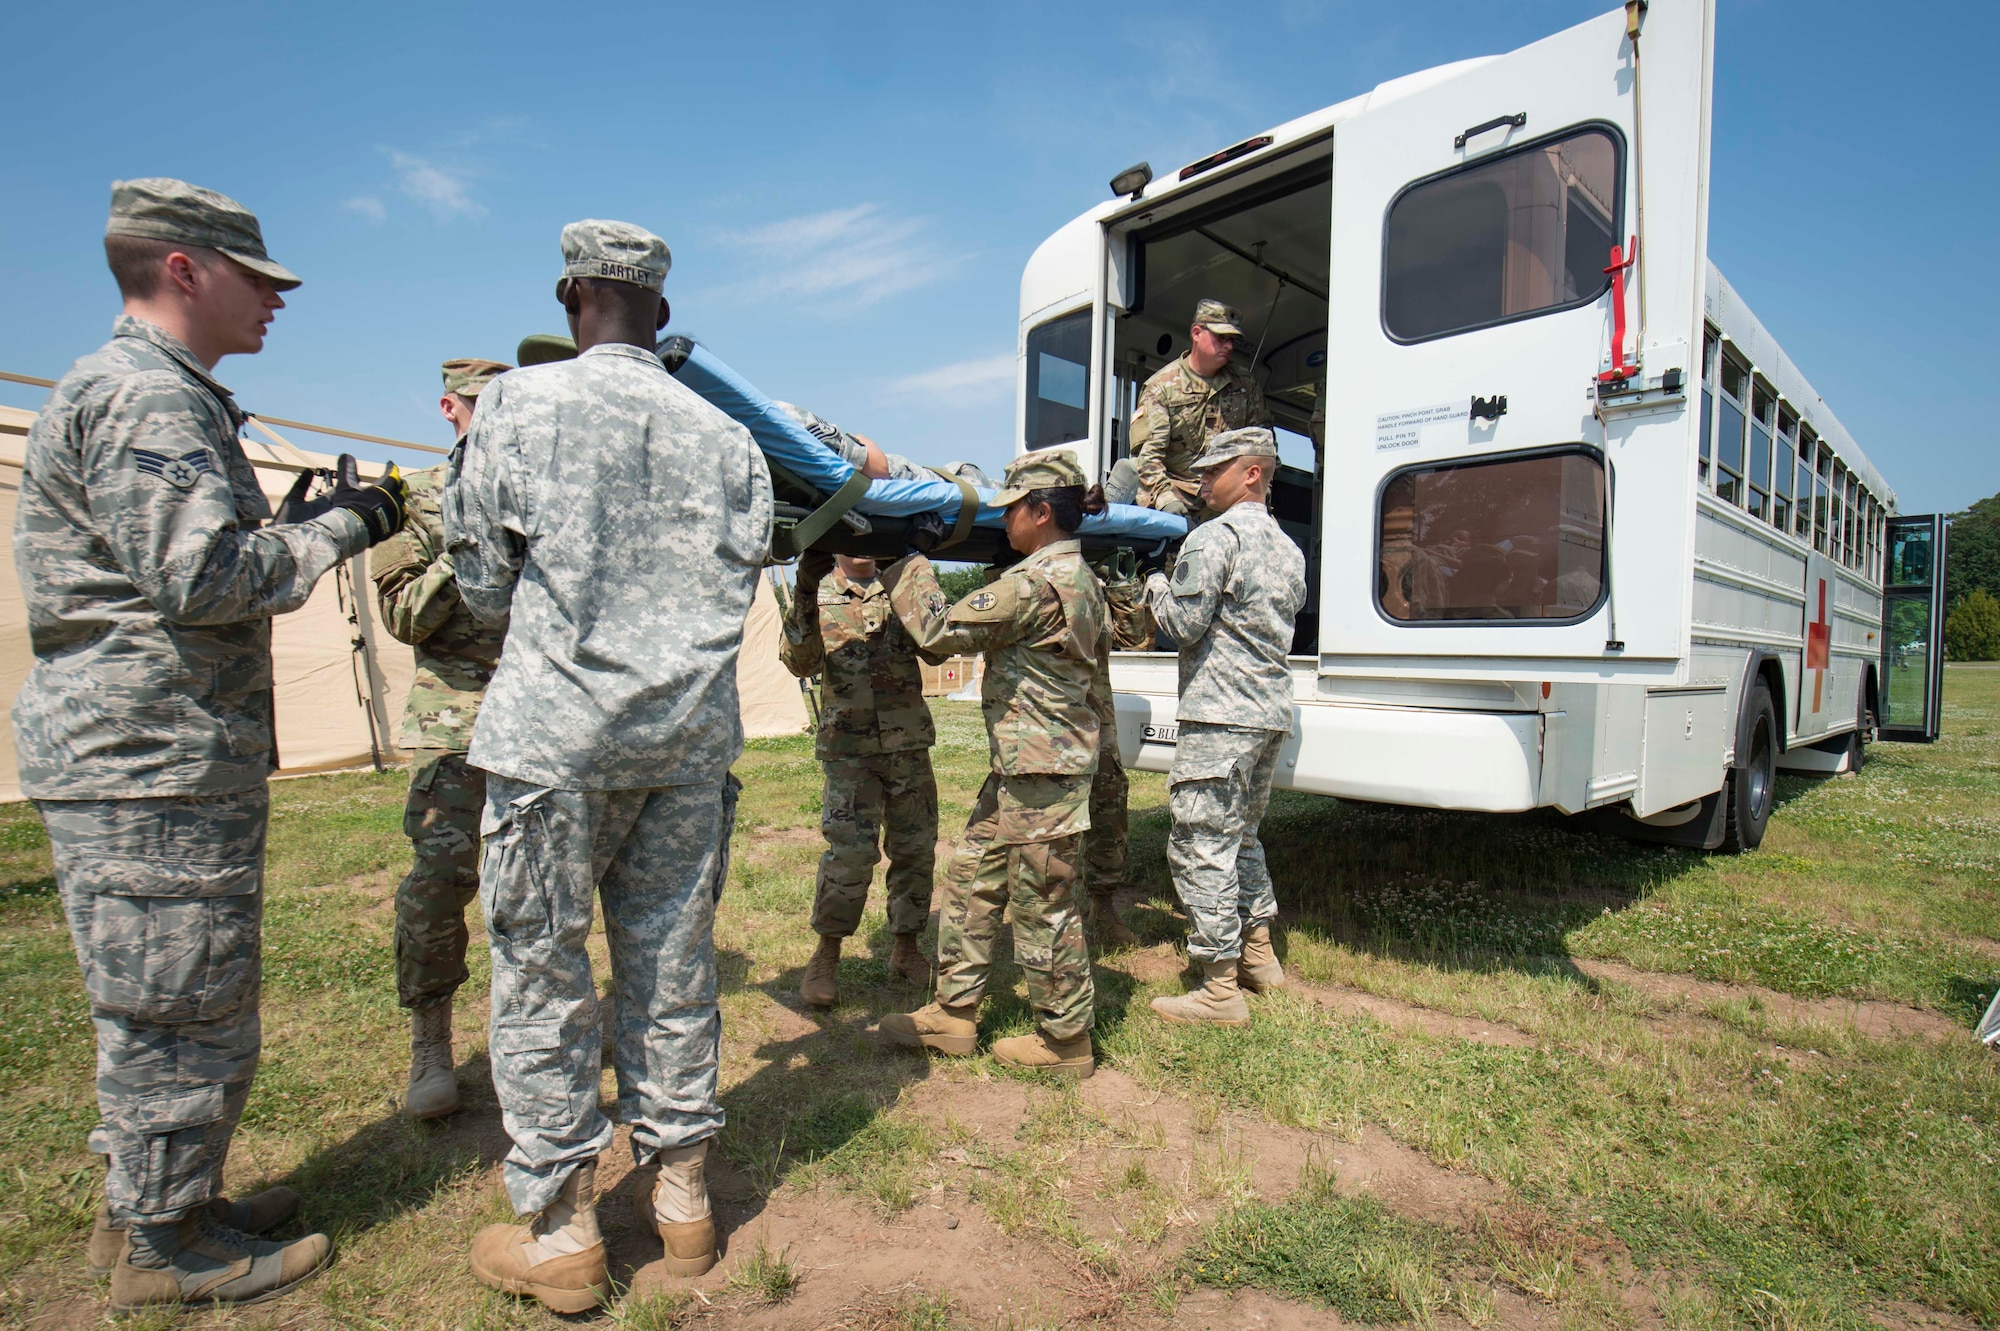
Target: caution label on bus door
(1405, 429)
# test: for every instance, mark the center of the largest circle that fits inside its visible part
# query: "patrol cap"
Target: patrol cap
(1250, 441)
(543, 348)
(466, 377)
(1217, 318)
(162, 208)
(617, 250)
(1044, 469)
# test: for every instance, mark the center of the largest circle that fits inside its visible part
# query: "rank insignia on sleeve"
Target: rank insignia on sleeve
(179, 472)
(983, 601)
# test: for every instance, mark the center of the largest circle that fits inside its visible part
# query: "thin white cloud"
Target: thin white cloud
(986, 379)
(444, 190)
(368, 206)
(857, 256)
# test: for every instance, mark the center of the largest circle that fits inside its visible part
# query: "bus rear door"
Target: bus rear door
(1495, 509)
(1912, 672)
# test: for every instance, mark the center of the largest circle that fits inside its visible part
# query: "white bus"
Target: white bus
(1579, 534)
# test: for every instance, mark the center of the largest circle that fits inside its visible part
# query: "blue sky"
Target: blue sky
(850, 192)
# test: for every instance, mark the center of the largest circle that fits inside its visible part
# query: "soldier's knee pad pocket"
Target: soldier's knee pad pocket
(173, 959)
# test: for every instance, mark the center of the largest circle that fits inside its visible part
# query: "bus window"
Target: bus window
(1783, 467)
(1802, 515)
(1517, 538)
(1819, 499)
(1059, 381)
(1729, 433)
(1516, 235)
(1760, 453)
(1852, 530)
(1708, 353)
(1836, 526)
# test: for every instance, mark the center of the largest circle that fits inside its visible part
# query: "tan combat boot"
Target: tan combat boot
(1105, 928)
(675, 1206)
(820, 985)
(908, 960)
(255, 1214)
(433, 1089)
(558, 1257)
(1038, 1053)
(1218, 1002)
(949, 1030)
(1259, 969)
(214, 1264)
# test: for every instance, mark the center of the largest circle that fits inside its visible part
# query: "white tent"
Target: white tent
(340, 678)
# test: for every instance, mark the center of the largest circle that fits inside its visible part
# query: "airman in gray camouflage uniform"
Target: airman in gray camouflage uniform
(417, 590)
(874, 743)
(616, 523)
(144, 731)
(1185, 404)
(1043, 628)
(1236, 588)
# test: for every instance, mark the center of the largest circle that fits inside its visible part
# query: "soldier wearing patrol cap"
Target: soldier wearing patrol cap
(144, 732)
(1237, 585)
(417, 590)
(616, 524)
(1043, 627)
(1186, 404)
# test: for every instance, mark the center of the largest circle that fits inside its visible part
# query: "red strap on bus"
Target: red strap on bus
(1621, 259)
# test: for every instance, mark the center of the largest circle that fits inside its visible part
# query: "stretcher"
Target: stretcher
(824, 503)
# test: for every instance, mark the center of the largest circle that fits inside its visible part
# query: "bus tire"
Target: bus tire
(1753, 783)
(1864, 726)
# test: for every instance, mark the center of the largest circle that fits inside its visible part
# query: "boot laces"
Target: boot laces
(234, 1241)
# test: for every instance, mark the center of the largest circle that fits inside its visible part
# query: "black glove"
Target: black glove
(814, 565)
(1156, 559)
(927, 531)
(378, 503)
(295, 507)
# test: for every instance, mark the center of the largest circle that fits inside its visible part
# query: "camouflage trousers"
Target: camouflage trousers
(441, 819)
(165, 904)
(657, 859)
(888, 799)
(1018, 857)
(1218, 790)
(1104, 844)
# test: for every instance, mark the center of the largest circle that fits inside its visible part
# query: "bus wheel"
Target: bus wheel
(1753, 783)
(1857, 743)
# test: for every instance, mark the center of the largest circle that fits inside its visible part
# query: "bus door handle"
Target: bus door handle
(1515, 121)
(1489, 408)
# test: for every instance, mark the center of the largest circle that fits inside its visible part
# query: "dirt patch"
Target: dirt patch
(1401, 1016)
(1684, 995)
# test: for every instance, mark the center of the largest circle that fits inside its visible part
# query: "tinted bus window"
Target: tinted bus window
(1506, 238)
(1059, 381)
(1507, 539)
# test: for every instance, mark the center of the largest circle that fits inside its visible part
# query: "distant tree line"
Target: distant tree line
(1972, 584)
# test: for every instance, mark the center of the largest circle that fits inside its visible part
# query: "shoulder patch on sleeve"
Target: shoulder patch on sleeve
(1187, 574)
(988, 605)
(178, 470)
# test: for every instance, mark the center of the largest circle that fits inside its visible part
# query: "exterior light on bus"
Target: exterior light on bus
(1133, 180)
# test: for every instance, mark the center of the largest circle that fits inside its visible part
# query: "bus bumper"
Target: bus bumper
(1430, 758)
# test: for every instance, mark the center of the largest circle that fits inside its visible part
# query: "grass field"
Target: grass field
(1531, 1077)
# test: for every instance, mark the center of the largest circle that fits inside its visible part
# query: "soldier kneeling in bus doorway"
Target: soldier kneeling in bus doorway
(1236, 588)
(417, 590)
(1042, 626)
(1183, 406)
(874, 742)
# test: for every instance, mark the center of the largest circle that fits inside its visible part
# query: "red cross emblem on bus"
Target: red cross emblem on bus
(1819, 639)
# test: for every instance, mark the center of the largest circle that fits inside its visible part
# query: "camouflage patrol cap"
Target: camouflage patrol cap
(1218, 318)
(161, 208)
(1251, 441)
(1044, 469)
(466, 377)
(617, 250)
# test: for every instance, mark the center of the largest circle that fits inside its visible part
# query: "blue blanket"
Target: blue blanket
(789, 444)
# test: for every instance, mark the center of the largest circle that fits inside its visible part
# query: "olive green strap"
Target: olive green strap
(968, 509)
(790, 544)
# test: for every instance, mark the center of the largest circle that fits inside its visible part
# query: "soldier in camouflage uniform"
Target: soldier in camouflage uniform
(144, 731)
(617, 524)
(874, 742)
(1237, 586)
(1105, 844)
(1186, 404)
(455, 654)
(1043, 628)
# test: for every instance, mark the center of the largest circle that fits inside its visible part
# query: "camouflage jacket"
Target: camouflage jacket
(616, 523)
(1043, 628)
(1178, 411)
(871, 697)
(851, 449)
(149, 584)
(418, 593)
(1237, 586)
